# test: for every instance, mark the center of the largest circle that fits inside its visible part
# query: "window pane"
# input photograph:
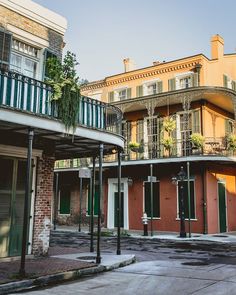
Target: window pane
(156, 199)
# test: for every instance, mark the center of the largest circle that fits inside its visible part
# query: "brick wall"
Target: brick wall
(42, 208)
(55, 39)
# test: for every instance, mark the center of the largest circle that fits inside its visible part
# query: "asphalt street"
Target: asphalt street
(162, 267)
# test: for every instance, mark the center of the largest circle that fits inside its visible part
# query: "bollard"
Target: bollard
(145, 224)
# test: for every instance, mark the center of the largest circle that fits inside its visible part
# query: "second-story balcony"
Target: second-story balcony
(26, 102)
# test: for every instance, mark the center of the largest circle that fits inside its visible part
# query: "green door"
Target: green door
(222, 206)
(116, 203)
(12, 196)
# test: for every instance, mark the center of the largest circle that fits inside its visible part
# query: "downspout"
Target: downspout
(204, 190)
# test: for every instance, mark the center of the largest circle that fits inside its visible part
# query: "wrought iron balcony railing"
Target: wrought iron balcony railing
(180, 148)
(32, 96)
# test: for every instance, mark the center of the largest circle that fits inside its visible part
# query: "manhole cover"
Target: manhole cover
(86, 257)
(220, 236)
(195, 263)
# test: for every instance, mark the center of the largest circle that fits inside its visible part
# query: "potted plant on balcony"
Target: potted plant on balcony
(134, 146)
(169, 124)
(197, 141)
(168, 143)
(63, 79)
(231, 142)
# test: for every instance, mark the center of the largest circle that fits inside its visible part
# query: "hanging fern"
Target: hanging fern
(63, 79)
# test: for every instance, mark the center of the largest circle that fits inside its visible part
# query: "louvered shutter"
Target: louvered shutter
(47, 54)
(234, 85)
(225, 81)
(139, 91)
(171, 84)
(159, 86)
(111, 96)
(195, 80)
(196, 122)
(227, 127)
(128, 93)
(5, 49)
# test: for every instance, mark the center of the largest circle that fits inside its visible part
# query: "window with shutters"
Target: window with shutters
(186, 80)
(24, 59)
(153, 206)
(186, 203)
(47, 54)
(152, 87)
(5, 49)
(122, 94)
(126, 133)
(119, 94)
(229, 127)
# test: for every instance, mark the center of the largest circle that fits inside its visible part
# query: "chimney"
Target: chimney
(217, 47)
(128, 65)
(155, 63)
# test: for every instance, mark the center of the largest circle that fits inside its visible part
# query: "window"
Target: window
(47, 54)
(156, 199)
(122, 94)
(5, 48)
(229, 126)
(126, 132)
(24, 59)
(149, 88)
(185, 82)
(152, 88)
(192, 199)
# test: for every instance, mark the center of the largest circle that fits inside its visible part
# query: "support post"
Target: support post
(118, 252)
(182, 215)
(92, 191)
(80, 201)
(98, 258)
(151, 189)
(26, 204)
(56, 200)
(189, 199)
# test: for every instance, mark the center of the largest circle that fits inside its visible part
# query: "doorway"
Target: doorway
(12, 196)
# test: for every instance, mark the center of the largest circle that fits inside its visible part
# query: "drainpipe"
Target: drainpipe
(92, 191)
(98, 258)
(26, 204)
(118, 252)
(56, 200)
(203, 174)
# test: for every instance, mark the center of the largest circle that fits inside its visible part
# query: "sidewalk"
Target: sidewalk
(228, 237)
(62, 264)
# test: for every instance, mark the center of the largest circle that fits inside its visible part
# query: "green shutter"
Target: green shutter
(139, 91)
(5, 49)
(171, 84)
(159, 87)
(195, 80)
(227, 127)
(128, 93)
(196, 122)
(47, 54)
(65, 200)
(111, 96)
(156, 199)
(225, 80)
(234, 85)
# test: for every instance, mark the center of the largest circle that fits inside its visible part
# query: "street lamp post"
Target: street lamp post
(179, 179)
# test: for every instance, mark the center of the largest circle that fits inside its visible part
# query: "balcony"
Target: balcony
(21, 93)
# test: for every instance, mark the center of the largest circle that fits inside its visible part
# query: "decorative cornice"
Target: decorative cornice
(155, 70)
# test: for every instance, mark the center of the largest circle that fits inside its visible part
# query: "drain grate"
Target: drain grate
(86, 257)
(220, 236)
(195, 263)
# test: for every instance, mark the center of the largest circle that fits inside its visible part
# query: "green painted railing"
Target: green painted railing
(30, 95)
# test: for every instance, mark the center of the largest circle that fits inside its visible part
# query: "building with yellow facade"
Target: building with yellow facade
(179, 113)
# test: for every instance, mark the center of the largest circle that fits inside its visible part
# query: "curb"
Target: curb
(59, 277)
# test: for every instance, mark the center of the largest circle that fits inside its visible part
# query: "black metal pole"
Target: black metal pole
(98, 258)
(189, 201)
(118, 252)
(151, 185)
(182, 215)
(80, 201)
(26, 204)
(56, 201)
(92, 191)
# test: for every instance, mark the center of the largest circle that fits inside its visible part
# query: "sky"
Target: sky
(103, 32)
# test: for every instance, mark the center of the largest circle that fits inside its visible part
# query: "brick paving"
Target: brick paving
(40, 266)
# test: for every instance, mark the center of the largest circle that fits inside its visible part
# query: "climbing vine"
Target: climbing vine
(63, 79)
